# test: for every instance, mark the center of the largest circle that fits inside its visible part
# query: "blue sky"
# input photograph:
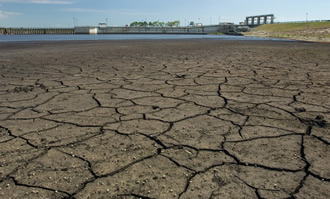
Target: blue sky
(61, 13)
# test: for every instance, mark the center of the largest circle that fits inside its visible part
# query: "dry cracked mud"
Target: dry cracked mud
(165, 119)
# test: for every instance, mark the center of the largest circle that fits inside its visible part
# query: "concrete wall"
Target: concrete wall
(29, 31)
(138, 30)
(224, 28)
(227, 29)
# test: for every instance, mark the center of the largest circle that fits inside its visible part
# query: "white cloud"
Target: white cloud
(4, 14)
(110, 11)
(82, 10)
(38, 1)
(50, 2)
(134, 12)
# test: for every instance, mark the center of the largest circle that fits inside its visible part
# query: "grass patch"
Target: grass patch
(287, 27)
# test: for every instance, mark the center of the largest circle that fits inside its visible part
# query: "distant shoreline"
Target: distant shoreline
(309, 31)
(85, 37)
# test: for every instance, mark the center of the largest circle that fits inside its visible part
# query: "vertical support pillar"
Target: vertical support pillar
(259, 20)
(252, 20)
(265, 19)
(272, 19)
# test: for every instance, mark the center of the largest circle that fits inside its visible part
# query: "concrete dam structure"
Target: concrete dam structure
(225, 28)
(229, 28)
(36, 31)
(259, 19)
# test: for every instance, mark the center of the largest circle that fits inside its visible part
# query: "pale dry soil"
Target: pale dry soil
(165, 119)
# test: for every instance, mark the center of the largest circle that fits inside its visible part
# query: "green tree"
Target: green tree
(155, 24)
(136, 23)
(173, 23)
(133, 24)
(192, 23)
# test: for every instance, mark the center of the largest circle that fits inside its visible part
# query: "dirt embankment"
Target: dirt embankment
(317, 32)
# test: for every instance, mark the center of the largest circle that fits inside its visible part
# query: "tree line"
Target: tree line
(156, 23)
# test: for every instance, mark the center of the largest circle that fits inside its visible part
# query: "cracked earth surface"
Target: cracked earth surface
(165, 119)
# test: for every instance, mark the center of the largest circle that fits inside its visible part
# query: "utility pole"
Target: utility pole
(306, 16)
(75, 21)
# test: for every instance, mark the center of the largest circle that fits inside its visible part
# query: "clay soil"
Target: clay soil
(165, 119)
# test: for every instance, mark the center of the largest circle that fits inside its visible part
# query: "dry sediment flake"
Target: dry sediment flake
(156, 119)
(197, 160)
(155, 177)
(62, 135)
(200, 132)
(232, 181)
(10, 189)
(105, 152)
(56, 171)
(141, 126)
(281, 152)
(314, 188)
(14, 154)
(66, 103)
(94, 117)
(21, 127)
(181, 112)
(317, 154)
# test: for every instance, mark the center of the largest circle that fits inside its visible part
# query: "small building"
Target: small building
(102, 25)
(93, 31)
